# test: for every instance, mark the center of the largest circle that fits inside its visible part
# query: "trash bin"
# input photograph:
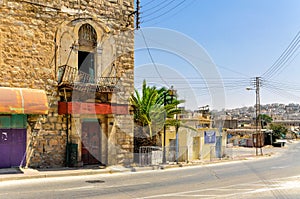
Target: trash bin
(72, 154)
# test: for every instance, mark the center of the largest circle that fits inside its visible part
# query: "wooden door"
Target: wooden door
(91, 143)
(196, 148)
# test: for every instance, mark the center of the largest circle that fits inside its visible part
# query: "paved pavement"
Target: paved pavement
(240, 153)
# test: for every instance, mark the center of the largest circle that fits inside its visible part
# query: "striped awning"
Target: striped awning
(23, 101)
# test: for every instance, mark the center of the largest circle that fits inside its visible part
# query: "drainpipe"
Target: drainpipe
(67, 143)
(67, 131)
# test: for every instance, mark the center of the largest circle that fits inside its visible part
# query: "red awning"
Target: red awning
(92, 108)
(23, 101)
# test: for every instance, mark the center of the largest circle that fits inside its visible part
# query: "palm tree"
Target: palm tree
(152, 110)
(153, 107)
(265, 120)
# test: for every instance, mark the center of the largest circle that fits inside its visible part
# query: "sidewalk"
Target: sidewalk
(28, 173)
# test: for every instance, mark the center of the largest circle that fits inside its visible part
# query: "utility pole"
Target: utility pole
(137, 14)
(164, 160)
(258, 139)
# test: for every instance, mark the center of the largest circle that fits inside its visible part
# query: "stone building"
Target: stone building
(65, 80)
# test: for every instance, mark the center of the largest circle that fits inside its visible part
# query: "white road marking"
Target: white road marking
(126, 185)
(76, 188)
(280, 167)
(281, 184)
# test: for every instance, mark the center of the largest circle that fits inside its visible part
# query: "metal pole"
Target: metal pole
(176, 131)
(177, 141)
(164, 148)
(256, 114)
(67, 132)
(271, 138)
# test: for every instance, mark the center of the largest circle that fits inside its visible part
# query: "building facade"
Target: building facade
(198, 142)
(65, 80)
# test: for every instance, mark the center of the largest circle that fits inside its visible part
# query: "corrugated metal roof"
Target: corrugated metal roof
(23, 101)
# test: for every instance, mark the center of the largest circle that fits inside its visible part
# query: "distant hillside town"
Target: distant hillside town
(276, 111)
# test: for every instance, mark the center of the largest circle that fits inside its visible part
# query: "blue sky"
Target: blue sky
(242, 37)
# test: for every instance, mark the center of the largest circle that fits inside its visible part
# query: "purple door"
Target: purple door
(12, 147)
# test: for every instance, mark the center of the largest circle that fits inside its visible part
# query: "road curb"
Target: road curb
(35, 174)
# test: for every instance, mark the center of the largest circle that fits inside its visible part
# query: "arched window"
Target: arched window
(86, 55)
(87, 36)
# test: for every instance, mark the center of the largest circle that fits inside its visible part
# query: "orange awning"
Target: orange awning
(23, 101)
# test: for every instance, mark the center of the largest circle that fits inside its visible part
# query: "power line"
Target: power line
(176, 13)
(151, 57)
(199, 80)
(282, 93)
(237, 72)
(283, 64)
(203, 60)
(157, 8)
(290, 61)
(164, 13)
(283, 58)
(285, 86)
(148, 3)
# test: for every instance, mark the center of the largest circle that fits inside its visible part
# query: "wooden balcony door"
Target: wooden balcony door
(86, 64)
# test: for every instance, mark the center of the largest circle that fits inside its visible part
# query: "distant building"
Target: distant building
(198, 142)
(230, 124)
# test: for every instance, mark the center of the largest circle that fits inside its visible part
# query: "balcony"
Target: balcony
(73, 79)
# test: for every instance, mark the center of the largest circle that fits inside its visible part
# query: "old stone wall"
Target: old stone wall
(29, 59)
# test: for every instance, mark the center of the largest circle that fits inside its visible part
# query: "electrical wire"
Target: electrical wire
(283, 64)
(164, 13)
(148, 3)
(283, 58)
(156, 8)
(290, 61)
(176, 13)
(283, 91)
(191, 55)
(293, 87)
(285, 95)
(152, 60)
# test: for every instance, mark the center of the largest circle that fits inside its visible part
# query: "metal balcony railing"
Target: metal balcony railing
(73, 78)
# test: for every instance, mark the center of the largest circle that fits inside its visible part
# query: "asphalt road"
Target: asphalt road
(275, 177)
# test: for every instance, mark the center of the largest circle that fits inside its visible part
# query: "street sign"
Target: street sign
(209, 137)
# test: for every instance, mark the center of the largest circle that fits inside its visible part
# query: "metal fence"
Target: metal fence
(152, 155)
